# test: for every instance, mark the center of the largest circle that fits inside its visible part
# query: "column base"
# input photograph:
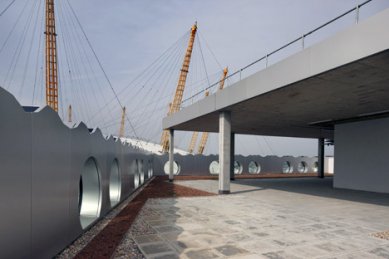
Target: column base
(224, 192)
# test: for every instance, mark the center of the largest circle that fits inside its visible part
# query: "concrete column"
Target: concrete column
(320, 158)
(171, 155)
(224, 152)
(232, 157)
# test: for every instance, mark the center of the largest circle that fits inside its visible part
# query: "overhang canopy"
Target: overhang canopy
(340, 79)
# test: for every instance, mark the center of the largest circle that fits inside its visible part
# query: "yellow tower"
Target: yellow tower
(122, 122)
(204, 137)
(176, 104)
(51, 58)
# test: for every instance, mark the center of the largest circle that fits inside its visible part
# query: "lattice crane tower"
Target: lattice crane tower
(51, 58)
(175, 105)
(204, 137)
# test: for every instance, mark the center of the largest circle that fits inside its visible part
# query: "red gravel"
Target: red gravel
(104, 244)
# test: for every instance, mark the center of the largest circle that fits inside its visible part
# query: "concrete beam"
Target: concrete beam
(224, 151)
(171, 155)
(320, 158)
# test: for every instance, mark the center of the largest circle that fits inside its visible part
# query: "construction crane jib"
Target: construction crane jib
(51, 58)
(176, 104)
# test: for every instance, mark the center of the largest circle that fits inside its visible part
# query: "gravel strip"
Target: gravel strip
(72, 250)
(117, 238)
(128, 248)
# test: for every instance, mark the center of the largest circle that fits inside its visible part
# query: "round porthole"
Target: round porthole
(238, 168)
(302, 167)
(89, 200)
(254, 168)
(214, 168)
(115, 183)
(176, 168)
(136, 180)
(315, 167)
(141, 172)
(150, 170)
(134, 170)
(287, 167)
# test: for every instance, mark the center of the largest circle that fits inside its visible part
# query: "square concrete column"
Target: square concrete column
(171, 155)
(224, 152)
(232, 157)
(320, 158)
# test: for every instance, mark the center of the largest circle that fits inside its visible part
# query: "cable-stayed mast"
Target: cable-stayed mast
(175, 106)
(51, 58)
(193, 142)
(204, 137)
(122, 122)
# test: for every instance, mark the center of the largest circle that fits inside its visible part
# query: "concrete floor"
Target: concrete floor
(282, 218)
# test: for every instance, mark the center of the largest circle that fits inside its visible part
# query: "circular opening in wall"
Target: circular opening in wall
(134, 171)
(238, 168)
(141, 172)
(136, 180)
(115, 183)
(302, 167)
(176, 168)
(89, 193)
(150, 169)
(287, 167)
(254, 168)
(315, 167)
(214, 168)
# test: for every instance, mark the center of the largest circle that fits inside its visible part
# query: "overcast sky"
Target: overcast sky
(129, 35)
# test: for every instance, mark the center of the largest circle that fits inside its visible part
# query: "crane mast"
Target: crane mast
(176, 104)
(51, 58)
(203, 142)
(193, 142)
(223, 79)
(121, 130)
(195, 134)
(204, 137)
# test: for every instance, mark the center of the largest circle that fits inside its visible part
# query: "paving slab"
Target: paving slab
(287, 218)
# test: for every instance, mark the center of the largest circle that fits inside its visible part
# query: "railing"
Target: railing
(267, 56)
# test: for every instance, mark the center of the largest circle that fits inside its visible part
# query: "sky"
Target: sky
(128, 37)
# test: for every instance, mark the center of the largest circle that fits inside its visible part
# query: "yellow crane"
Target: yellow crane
(193, 141)
(195, 134)
(122, 122)
(51, 58)
(175, 106)
(204, 137)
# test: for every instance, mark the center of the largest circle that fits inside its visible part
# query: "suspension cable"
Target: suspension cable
(7, 7)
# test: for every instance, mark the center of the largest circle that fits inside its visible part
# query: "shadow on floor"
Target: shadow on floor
(315, 187)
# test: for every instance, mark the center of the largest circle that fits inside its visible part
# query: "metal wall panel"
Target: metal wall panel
(50, 183)
(15, 179)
